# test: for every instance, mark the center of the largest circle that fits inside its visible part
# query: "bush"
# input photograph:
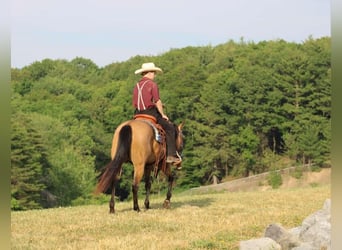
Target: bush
(274, 179)
(298, 173)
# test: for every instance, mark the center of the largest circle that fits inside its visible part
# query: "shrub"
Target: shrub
(274, 179)
(298, 173)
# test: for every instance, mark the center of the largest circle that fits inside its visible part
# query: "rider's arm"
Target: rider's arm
(159, 106)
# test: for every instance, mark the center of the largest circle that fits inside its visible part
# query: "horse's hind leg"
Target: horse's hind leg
(112, 200)
(138, 174)
(147, 187)
(135, 189)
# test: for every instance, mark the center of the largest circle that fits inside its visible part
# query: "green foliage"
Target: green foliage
(245, 143)
(249, 108)
(274, 179)
(29, 164)
(297, 173)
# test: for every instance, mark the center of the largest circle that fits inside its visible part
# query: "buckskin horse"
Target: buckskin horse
(135, 141)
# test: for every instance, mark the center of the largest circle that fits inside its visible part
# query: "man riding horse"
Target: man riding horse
(146, 100)
(136, 141)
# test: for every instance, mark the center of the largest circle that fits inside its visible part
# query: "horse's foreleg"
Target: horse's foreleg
(112, 200)
(167, 202)
(169, 190)
(147, 188)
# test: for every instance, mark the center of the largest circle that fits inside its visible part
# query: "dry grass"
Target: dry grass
(207, 221)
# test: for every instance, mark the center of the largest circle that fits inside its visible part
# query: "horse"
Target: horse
(134, 141)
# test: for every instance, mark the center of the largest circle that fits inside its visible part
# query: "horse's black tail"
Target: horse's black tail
(113, 168)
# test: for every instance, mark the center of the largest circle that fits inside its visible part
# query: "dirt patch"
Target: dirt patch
(308, 179)
(259, 182)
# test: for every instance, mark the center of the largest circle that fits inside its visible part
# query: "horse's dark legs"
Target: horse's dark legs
(135, 189)
(112, 200)
(148, 189)
(167, 202)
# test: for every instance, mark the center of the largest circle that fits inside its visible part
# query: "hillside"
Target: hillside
(218, 220)
(259, 182)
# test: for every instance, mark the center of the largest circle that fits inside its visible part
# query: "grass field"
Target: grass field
(205, 221)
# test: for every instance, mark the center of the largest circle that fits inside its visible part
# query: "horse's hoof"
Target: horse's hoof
(167, 204)
(111, 211)
(147, 204)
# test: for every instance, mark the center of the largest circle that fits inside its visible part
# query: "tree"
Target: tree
(245, 145)
(28, 164)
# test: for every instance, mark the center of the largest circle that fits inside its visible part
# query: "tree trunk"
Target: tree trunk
(215, 180)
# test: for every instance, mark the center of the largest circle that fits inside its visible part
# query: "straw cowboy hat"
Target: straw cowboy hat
(146, 67)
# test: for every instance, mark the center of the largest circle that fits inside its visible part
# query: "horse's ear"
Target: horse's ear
(181, 125)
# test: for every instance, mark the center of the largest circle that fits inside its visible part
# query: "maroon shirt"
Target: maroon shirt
(149, 94)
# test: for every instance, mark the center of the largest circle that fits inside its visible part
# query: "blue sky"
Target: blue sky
(108, 31)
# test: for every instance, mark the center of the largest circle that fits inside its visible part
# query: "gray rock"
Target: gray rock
(280, 235)
(316, 228)
(313, 234)
(295, 231)
(259, 244)
(304, 246)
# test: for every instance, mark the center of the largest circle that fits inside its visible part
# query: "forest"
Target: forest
(248, 108)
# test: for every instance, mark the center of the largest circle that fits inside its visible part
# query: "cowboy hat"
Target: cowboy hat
(146, 67)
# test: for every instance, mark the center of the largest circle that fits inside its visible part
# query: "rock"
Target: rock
(304, 246)
(260, 244)
(280, 235)
(295, 231)
(313, 234)
(316, 228)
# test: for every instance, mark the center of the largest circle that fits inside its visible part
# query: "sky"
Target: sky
(109, 31)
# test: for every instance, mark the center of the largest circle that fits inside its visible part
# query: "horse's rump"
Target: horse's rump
(145, 149)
